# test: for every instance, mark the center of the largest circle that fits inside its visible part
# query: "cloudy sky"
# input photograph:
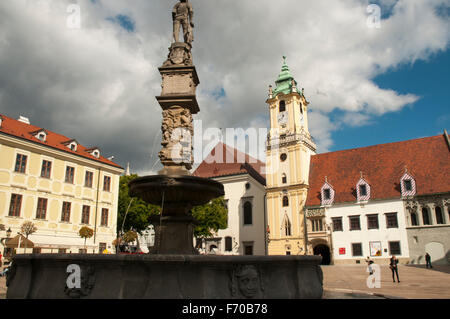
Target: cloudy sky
(98, 83)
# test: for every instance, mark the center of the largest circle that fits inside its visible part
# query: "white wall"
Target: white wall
(345, 238)
(235, 191)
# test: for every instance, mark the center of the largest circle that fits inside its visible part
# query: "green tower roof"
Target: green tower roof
(284, 81)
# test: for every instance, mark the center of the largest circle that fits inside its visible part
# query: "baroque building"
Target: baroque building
(59, 185)
(244, 185)
(288, 152)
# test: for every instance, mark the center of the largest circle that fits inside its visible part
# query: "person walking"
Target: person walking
(428, 260)
(369, 264)
(394, 268)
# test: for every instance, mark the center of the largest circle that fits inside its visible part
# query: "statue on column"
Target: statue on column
(180, 52)
(183, 15)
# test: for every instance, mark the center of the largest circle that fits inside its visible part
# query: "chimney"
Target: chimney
(24, 119)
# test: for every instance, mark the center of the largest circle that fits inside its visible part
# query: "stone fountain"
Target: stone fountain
(173, 269)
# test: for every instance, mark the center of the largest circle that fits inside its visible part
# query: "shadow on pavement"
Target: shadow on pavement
(440, 268)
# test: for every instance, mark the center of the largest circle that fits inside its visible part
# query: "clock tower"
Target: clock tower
(288, 152)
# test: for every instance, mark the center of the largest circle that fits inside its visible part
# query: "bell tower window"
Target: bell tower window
(282, 106)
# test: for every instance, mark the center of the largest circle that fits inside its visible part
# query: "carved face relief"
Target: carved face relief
(246, 282)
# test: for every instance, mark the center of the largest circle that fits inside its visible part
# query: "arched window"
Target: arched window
(414, 219)
(248, 218)
(282, 106)
(439, 217)
(287, 227)
(425, 216)
(285, 201)
(284, 178)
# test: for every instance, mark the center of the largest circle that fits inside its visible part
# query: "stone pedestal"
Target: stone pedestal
(179, 103)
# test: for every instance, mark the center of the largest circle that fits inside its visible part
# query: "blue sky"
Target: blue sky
(429, 116)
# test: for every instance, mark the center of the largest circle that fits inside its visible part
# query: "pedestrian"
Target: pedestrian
(428, 260)
(1, 262)
(369, 264)
(394, 268)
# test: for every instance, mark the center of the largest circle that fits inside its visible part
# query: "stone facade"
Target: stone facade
(428, 232)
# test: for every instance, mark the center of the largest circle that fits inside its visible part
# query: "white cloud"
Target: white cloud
(98, 84)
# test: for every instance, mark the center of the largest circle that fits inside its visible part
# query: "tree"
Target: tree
(130, 236)
(211, 217)
(139, 212)
(27, 229)
(86, 232)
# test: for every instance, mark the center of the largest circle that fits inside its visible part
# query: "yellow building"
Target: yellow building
(289, 149)
(57, 184)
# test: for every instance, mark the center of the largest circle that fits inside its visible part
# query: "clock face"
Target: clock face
(282, 118)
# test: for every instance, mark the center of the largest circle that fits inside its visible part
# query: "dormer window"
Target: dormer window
(1, 121)
(94, 152)
(408, 185)
(41, 135)
(362, 190)
(327, 194)
(73, 146)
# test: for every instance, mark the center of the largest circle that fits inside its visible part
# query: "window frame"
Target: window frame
(85, 214)
(65, 212)
(339, 219)
(388, 222)
(350, 222)
(369, 221)
(15, 205)
(105, 183)
(353, 250)
(86, 180)
(20, 165)
(105, 212)
(247, 213)
(41, 210)
(46, 169)
(70, 175)
(399, 248)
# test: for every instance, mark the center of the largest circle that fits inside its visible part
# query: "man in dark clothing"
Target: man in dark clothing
(394, 268)
(428, 260)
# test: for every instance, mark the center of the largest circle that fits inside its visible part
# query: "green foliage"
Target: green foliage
(86, 232)
(139, 212)
(211, 217)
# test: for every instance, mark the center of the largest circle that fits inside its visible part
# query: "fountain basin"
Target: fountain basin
(166, 277)
(180, 189)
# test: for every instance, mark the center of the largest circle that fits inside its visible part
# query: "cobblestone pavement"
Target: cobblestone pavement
(349, 282)
(416, 282)
(2, 287)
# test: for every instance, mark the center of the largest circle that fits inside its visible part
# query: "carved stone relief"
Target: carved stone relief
(246, 283)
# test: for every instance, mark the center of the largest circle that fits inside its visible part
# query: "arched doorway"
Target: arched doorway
(324, 251)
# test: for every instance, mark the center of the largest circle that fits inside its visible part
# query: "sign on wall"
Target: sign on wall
(375, 248)
(341, 251)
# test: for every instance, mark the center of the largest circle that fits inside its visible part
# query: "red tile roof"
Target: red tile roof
(216, 166)
(25, 131)
(426, 159)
